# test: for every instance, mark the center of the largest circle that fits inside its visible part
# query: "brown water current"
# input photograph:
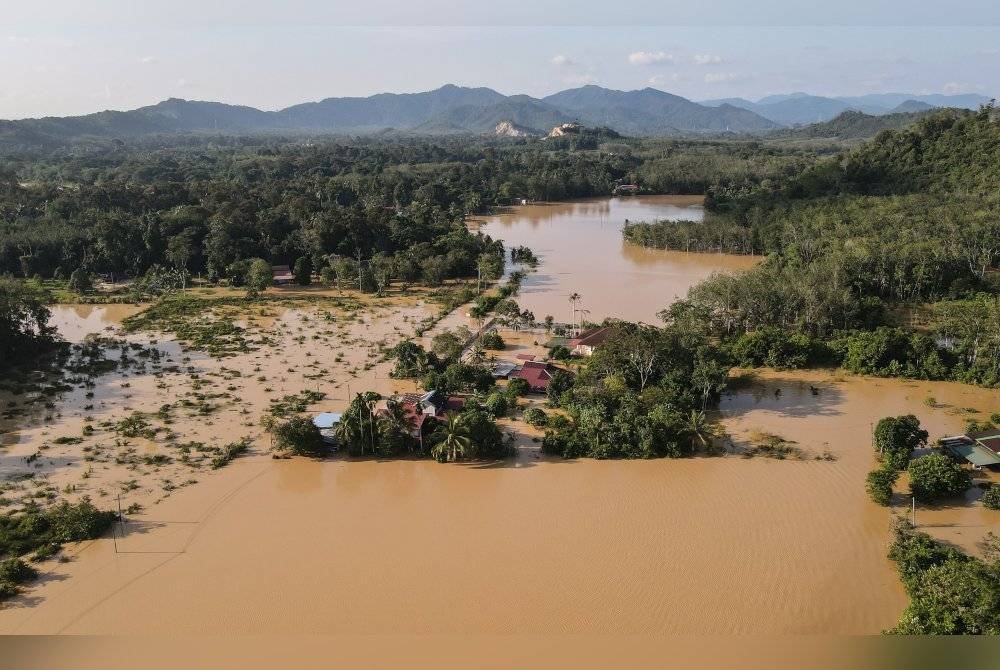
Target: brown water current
(723, 545)
(582, 251)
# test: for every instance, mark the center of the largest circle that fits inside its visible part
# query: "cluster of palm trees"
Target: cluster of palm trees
(576, 299)
(363, 431)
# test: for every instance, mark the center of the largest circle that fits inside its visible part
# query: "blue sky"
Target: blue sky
(59, 58)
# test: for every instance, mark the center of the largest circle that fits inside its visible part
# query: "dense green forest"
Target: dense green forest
(882, 259)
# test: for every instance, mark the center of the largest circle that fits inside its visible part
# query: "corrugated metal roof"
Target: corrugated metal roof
(974, 453)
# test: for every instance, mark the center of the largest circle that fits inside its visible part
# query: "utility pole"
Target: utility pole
(360, 285)
(913, 511)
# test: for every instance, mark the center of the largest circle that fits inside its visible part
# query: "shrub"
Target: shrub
(492, 340)
(991, 497)
(496, 404)
(879, 484)
(561, 382)
(559, 353)
(518, 387)
(16, 571)
(299, 436)
(536, 417)
(934, 477)
(80, 281)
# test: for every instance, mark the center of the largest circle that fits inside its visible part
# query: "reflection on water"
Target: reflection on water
(75, 322)
(582, 251)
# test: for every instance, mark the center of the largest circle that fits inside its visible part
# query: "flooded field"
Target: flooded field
(724, 545)
(582, 251)
(697, 546)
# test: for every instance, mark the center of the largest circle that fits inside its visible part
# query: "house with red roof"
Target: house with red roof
(282, 274)
(586, 342)
(538, 375)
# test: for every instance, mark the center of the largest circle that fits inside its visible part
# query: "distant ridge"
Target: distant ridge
(855, 125)
(447, 110)
(461, 110)
(799, 108)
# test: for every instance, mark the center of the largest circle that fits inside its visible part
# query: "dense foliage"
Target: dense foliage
(935, 476)
(950, 593)
(641, 395)
(886, 255)
(37, 529)
(24, 323)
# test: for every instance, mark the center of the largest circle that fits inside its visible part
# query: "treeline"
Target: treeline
(204, 208)
(902, 227)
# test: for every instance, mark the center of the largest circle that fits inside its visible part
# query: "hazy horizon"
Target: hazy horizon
(61, 61)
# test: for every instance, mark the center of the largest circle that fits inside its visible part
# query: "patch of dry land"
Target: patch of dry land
(724, 545)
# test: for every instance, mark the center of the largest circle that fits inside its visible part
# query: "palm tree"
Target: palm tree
(347, 430)
(697, 426)
(454, 440)
(574, 299)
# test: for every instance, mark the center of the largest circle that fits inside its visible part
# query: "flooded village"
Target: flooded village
(216, 534)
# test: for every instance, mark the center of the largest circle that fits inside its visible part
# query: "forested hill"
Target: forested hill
(898, 232)
(447, 110)
(852, 125)
(948, 151)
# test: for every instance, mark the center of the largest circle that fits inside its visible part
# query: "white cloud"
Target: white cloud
(146, 60)
(579, 80)
(182, 82)
(720, 77)
(660, 79)
(650, 57)
(562, 60)
(708, 59)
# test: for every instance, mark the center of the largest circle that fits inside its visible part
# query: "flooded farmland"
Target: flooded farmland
(581, 250)
(723, 545)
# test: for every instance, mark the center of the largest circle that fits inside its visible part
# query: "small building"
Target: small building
(978, 449)
(538, 375)
(327, 424)
(587, 341)
(525, 357)
(626, 189)
(503, 370)
(282, 274)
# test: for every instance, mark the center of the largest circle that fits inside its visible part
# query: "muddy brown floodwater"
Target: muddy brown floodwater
(582, 251)
(538, 546)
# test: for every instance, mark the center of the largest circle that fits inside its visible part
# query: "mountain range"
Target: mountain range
(801, 108)
(453, 109)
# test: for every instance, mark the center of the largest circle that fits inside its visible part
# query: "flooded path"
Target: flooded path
(581, 250)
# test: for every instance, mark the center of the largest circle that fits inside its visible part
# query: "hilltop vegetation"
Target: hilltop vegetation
(901, 228)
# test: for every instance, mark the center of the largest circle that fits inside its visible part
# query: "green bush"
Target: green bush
(37, 529)
(16, 571)
(496, 404)
(518, 387)
(492, 340)
(536, 417)
(879, 484)
(299, 436)
(935, 477)
(991, 497)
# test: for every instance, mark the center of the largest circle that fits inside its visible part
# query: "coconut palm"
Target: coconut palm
(697, 426)
(454, 440)
(574, 299)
